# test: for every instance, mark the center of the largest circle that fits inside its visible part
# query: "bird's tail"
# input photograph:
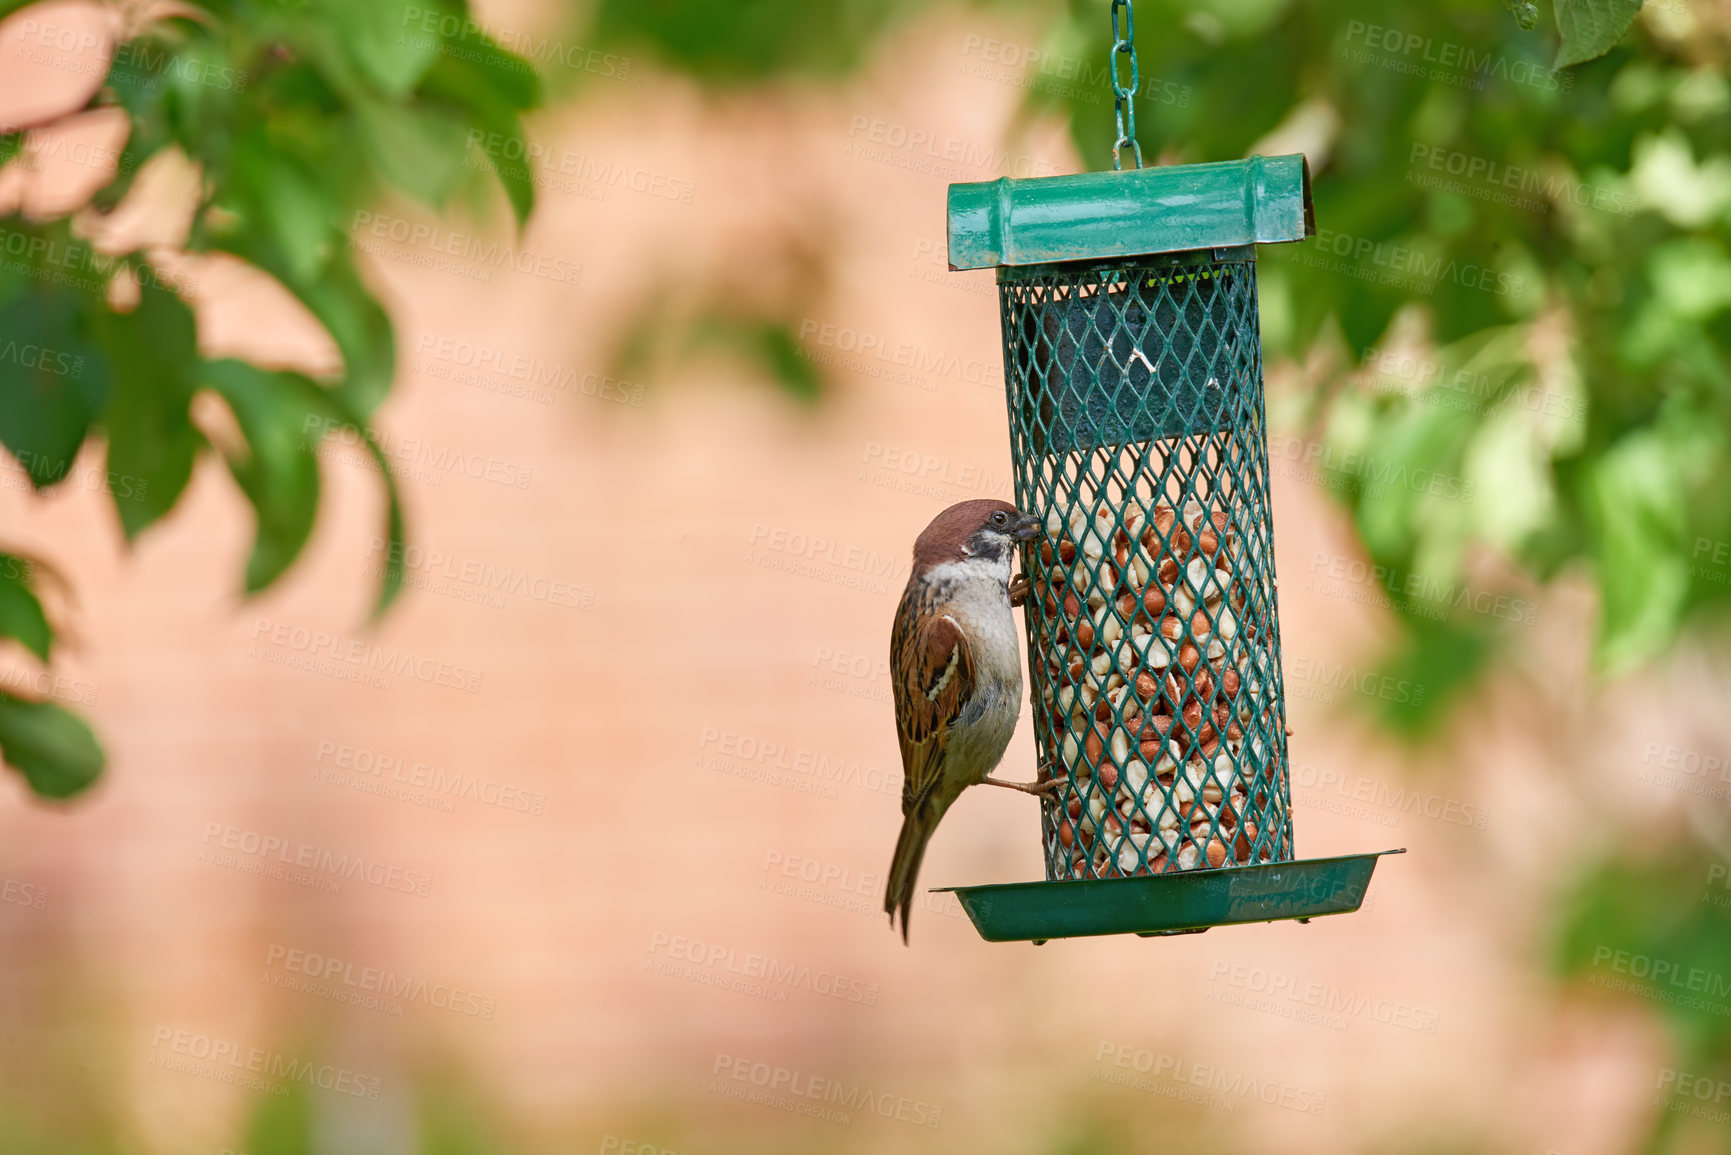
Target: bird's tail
(917, 829)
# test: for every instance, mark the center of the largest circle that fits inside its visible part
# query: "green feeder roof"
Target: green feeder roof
(1095, 215)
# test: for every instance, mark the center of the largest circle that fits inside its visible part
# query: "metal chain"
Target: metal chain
(1124, 99)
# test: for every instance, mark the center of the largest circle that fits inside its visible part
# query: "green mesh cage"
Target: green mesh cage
(1137, 429)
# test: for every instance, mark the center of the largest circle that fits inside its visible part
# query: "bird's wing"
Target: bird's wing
(934, 679)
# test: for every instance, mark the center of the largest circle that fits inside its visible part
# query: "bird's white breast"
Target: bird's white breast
(973, 593)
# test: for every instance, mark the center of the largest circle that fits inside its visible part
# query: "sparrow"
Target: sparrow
(956, 672)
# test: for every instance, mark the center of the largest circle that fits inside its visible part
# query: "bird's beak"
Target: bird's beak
(1027, 529)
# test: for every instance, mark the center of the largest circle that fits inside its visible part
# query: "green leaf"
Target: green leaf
(293, 207)
(418, 150)
(10, 143)
(780, 351)
(385, 39)
(1591, 28)
(54, 382)
(395, 540)
(52, 747)
(139, 94)
(151, 440)
(360, 327)
(21, 615)
(477, 73)
(337, 297)
(1636, 498)
(279, 474)
(343, 417)
(515, 177)
(491, 87)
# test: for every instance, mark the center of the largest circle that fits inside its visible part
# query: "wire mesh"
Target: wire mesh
(1138, 429)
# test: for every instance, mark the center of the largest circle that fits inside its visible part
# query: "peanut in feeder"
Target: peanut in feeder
(1133, 369)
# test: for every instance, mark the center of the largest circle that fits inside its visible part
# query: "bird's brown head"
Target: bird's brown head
(985, 528)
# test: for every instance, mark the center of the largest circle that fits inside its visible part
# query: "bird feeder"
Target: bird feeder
(1133, 369)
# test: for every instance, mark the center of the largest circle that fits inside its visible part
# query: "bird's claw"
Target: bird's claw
(1019, 589)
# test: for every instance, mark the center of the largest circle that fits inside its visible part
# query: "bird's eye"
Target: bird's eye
(999, 518)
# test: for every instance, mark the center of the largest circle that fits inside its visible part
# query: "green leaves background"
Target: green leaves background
(296, 114)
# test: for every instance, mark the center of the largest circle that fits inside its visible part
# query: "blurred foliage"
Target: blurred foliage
(296, 113)
(1548, 247)
(749, 40)
(1665, 909)
(1657, 928)
(721, 328)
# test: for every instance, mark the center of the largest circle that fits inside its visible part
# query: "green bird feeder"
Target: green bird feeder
(1133, 371)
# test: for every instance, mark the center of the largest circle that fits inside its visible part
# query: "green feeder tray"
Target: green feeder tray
(1133, 371)
(1181, 903)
